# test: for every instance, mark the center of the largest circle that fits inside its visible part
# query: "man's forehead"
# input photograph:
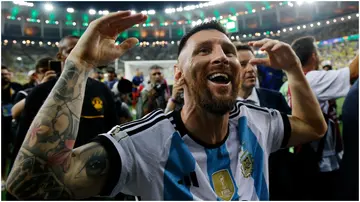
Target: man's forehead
(207, 35)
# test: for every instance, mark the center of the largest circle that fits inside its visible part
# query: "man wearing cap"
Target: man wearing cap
(111, 78)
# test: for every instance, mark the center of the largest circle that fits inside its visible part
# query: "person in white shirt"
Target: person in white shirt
(327, 86)
(215, 148)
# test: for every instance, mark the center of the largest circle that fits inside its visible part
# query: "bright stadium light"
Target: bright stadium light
(172, 42)
(299, 3)
(56, 43)
(244, 35)
(92, 12)
(19, 58)
(48, 7)
(278, 31)
(179, 9)
(47, 21)
(237, 37)
(57, 22)
(14, 41)
(32, 42)
(342, 19)
(213, 18)
(284, 30)
(290, 4)
(246, 12)
(144, 12)
(24, 42)
(40, 43)
(74, 23)
(105, 12)
(349, 17)
(357, 14)
(298, 27)
(151, 12)
(133, 12)
(232, 38)
(304, 26)
(253, 10)
(6, 41)
(290, 29)
(327, 22)
(70, 10)
(49, 43)
(262, 8)
(38, 20)
(319, 23)
(334, 20)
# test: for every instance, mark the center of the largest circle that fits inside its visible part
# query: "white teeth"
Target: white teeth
(218, 74)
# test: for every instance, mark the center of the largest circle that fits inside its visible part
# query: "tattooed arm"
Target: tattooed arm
(47, 166)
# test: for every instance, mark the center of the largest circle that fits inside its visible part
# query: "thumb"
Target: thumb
(260, 61)
(126, 45)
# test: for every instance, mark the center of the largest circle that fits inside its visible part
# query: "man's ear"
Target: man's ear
(177, 72)
(59, 56)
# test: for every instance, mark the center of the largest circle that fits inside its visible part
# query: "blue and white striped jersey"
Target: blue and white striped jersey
(158, 159)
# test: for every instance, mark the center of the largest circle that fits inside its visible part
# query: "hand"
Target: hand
(96, 47)
(48, 75)
(281, 55)
(177, 88)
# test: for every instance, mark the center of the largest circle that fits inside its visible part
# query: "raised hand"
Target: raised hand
(281, 55)
(96, 46)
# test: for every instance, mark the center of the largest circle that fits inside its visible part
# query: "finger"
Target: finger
(111, 17)
(259, 43)
(128, 22)
(267, 46)
(260, 61)
(126, 45)
(277, 46)
(49, 72)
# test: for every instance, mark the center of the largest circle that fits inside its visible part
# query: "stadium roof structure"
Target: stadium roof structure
(51, 21)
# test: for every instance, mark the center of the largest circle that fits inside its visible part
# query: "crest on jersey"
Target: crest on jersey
(247, 164)
(97, 103)
(223, 184)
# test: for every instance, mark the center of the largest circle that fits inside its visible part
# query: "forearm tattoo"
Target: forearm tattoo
(41, 169)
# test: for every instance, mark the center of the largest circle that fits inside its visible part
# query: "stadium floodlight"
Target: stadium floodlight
(133, 12)
(56, 43)
(262, 8)
(299, 3)
(40, 43)
(57, 22)
(253, 10)
(70, 10)
(138, 57)
(144, 12)
(290, 29)
(151, 12)
(342, 19)
(349, 17)
(74, 23)
(357, 14)
(232, 38)
(304, 26)
(319, 23)
(32, 42)
(334, 20)
(105, 12)
(237, 37)
(100, 12)
(166, 24)
(264, 33)
(298, 27)
(213, 18)
(19, 18)
(246, 12)
(280, 3)
(244, 35)
(284, 30)
(38, 20)
(6, 41)
(290, 4)
(19, 58)
(14, 41)
(47, 21)
(327, 22)
(278, 31)
(311, 25)
(48, 7)
(49, 43)
(172, 42)
(27, 41)
(271, 32)
(221, 17)
(24, 42)
(23, 3)
(92, 12)
(179, 9)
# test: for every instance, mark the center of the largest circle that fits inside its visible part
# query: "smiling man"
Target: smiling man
(214, 148)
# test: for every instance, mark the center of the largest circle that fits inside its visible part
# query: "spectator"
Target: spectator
(155, 95)
(121, 91)
(32, 80)
(324, 155)
(111, 78)
(348, 179)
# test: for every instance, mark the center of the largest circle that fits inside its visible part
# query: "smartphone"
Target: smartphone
(55, 66)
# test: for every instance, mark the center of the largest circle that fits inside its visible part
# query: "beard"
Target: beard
(205, 99)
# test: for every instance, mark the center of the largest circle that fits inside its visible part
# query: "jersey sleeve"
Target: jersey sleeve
(279, 130)
(330, 84)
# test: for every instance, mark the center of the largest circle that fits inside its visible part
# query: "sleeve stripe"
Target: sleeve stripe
(236, 112)
(287, 130)
(145, 119)
(146, 126)
(114, 165)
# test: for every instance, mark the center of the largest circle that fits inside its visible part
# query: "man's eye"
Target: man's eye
(204, 50)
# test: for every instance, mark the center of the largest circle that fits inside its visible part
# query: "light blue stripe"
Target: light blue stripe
(218, 159)
(251, 145)
(179, 164)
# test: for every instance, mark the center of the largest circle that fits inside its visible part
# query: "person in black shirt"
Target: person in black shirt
(98, 113)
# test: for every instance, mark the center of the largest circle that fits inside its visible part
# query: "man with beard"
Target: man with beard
(206, 151)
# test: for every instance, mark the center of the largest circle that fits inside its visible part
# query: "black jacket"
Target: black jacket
(98, 113)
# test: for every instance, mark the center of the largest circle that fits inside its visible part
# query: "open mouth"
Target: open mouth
(219, 78)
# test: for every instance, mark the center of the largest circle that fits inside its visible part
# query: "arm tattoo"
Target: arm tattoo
(41, 170)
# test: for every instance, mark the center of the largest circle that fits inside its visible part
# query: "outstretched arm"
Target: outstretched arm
(47, 167)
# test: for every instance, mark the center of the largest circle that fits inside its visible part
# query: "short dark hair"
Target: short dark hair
(4, 67)
(69, 37)
(110, 70)
(43, 62)
(304, 48)
(203, 26)
(241, 46)
(155, 67)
